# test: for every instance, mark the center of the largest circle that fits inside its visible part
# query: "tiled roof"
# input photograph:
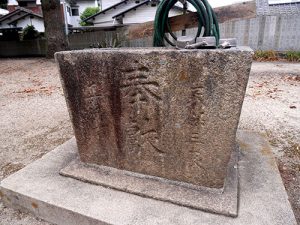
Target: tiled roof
(105, 10)
(24, 16)
(18, 10)
(263, 8)
(132, 8)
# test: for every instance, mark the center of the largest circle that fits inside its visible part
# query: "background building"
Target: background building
(3, 12)
(73, 8)
(127, 12)
(21, 17)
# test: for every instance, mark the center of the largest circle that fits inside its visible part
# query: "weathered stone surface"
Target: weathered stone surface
(161, 112)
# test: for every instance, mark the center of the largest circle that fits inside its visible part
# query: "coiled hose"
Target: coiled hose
(206, 20)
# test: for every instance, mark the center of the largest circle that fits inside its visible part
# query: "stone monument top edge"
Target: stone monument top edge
(143, 50)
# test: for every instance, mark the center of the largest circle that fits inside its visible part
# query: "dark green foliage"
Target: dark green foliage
(30, 33)
(271, 55)
(89, 11)
(3, 4)
(293, 56)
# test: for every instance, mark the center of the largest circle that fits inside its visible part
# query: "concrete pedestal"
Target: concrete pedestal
(222, 201)
(39, 189)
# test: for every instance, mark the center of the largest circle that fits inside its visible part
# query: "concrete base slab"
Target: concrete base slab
(39, 189)
(220, 201)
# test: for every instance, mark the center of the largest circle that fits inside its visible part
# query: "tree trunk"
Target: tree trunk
(54, 27)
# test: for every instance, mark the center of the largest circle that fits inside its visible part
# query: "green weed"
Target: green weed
(293, 56)
(269, 55)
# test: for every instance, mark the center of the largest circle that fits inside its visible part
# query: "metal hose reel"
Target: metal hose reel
(208, 33)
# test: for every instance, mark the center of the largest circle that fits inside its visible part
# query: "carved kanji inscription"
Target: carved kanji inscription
(161, 112)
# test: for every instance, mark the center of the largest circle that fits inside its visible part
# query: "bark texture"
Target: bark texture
(54, 27)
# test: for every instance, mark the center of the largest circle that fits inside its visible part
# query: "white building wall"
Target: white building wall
(144, 14)
(82, 5)
(3, 12)
(74, 21)
(107, 17)
(67, 14)
(109, 3)
(38, 23)
(5, 23)
(104, 18)
(12, 2)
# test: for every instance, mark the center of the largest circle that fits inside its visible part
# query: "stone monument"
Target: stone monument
(164, 114)
(156, 143)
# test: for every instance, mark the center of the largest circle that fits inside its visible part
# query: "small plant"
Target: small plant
(29, 33)
(89, 11)
(269, 55)
(293, 56)
(113, 43)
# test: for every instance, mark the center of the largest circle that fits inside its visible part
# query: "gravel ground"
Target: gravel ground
(34, 119)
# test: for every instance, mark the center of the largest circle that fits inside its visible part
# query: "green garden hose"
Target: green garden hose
(206, 20)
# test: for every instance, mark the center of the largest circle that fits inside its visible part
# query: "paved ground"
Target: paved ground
(272, 107)
(34, 119)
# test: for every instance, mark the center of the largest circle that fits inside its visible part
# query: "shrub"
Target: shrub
(9, 35)
(3, 4)
(293, 56)
(29, 33)
(89, 11)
